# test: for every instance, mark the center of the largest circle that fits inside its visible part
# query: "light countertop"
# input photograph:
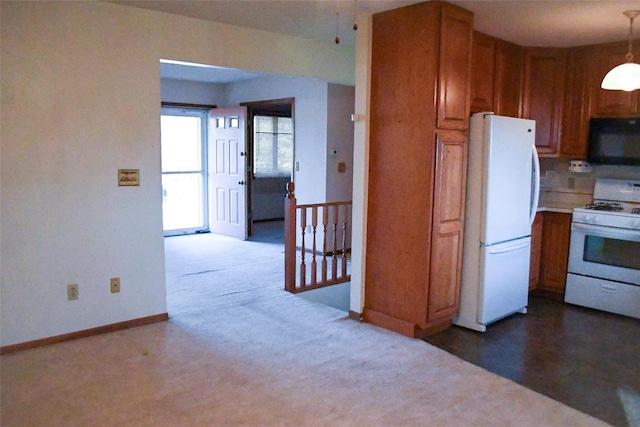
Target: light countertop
(564, 202)
(557, 207)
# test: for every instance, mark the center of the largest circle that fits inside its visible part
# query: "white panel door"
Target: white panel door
(508, 175)
(227, 173)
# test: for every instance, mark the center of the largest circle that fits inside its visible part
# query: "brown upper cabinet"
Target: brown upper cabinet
(559, 88)
(497, 76)
(542, 95)
(577, 104)
(612, 103)
(508, 88)
(454, 71)
(484, 72)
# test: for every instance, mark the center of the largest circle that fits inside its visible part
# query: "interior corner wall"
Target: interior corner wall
(340, 106)
(188, 92)
(80, 99)
(360, 163)
(310, 126)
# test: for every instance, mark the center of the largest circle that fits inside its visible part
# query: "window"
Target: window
(273, 146)
(184, 170)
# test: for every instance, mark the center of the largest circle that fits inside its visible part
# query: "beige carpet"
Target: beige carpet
(239, 350)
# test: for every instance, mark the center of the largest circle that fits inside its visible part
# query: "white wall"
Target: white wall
(360, 162)
(81, 98)
(340, 106)
(188, 92)
(310, 126)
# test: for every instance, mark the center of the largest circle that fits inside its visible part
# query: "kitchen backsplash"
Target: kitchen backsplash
(559, 184)
(556, 176)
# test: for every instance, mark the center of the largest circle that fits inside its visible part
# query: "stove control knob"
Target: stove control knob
(592, 219)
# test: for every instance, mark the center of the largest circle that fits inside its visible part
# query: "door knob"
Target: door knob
(241, 182)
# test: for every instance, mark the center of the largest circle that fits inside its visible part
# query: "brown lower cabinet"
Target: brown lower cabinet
(536, 252)
(550, 236)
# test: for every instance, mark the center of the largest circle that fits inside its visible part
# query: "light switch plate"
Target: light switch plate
(115, 285)
(72, 292)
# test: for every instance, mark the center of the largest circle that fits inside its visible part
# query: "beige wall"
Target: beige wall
(340, 107)
(80, 98)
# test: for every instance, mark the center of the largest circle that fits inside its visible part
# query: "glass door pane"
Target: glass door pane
(184, 192)
(182, 201)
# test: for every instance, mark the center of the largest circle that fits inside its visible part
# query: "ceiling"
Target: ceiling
(544, 23)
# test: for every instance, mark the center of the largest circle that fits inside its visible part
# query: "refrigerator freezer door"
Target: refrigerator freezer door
(508, 173)
(504, 287)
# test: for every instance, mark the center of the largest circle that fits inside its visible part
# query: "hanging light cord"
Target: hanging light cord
(337, 22)
(631, 14)
(355, 15)
(355, 20)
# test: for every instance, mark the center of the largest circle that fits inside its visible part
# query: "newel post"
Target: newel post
(290, 239)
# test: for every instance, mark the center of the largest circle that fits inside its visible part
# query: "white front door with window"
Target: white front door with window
(184, 170)
(228, 172)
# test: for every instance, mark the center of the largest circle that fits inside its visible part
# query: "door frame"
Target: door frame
(282, 107)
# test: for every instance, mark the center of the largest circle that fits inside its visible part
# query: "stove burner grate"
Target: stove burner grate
(605, 206)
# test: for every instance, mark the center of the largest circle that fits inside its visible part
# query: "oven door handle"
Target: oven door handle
(607, 232)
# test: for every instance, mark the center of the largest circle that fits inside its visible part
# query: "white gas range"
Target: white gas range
(604, 253)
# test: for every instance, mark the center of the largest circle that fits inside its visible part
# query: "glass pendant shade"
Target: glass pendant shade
(623, 77)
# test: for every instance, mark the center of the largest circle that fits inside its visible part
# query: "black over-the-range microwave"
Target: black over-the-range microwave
(614, 141)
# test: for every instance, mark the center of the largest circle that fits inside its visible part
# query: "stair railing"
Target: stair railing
(317, 243)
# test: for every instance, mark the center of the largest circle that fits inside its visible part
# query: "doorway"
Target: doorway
(270, 154)
(194, 199)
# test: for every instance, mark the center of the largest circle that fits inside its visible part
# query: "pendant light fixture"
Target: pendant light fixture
(625, 76)
(355, 19)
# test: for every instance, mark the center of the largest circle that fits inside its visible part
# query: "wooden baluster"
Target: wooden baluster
(325, 221)
(303, 265)
(344, 241)
(314, 226)
(290, 239)
(334, 226)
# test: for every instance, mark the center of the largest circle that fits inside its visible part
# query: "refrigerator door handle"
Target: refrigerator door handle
(536, 185)
(511, 248)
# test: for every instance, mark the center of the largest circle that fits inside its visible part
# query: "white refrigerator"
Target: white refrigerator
(502, 196)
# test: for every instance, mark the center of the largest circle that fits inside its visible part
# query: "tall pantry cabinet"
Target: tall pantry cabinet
(419, 117)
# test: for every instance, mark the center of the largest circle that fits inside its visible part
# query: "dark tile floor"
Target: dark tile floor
(584, 358)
